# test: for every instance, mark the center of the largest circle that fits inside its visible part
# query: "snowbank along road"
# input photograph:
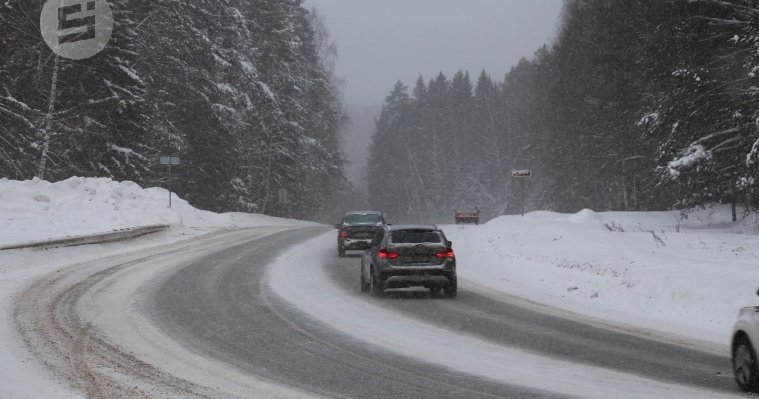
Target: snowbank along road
(274, 313)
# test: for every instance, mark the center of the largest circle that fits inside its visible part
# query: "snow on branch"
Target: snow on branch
(9, 98)
(650, 119)
(691, 155)
(753, 156)
(702, 140)
(124, 151)
(132, 74)
(20, 117)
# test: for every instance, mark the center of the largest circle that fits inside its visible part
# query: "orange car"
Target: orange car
(468, 216)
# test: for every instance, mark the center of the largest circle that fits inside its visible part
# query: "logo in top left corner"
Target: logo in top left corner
(76, 29)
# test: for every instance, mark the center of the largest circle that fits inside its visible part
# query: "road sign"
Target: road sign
(282, 196)
(521, 173)
(169, 160)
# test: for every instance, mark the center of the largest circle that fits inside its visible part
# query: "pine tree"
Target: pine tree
(237, 89)
(703, 104)
(386, 174)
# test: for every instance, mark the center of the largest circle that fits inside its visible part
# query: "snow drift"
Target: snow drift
(35, 210)
(652, 271)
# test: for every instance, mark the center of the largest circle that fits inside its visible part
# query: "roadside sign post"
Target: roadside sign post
(169, 161)
(521, 175)
(282, 196)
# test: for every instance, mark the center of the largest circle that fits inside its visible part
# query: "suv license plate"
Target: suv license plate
(416, 259)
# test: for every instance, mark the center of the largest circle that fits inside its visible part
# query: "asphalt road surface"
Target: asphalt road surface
(220, 306)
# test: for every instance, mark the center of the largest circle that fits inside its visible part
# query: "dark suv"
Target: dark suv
(357, 230)
(409, 256)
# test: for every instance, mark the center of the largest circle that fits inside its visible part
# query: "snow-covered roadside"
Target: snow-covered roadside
(646, 270)
(20, 374)
(38, 210)
(35, 210)
(140, 358)
(312, 291)
(113, 311)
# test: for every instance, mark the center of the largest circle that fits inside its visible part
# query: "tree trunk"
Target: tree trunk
(49, 120)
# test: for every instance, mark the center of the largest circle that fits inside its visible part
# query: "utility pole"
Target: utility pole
(49, 119)
(169, 185)
(72, 32)
(521, 183)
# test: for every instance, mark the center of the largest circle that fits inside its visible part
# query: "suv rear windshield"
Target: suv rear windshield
(363, 219)
(416, 237)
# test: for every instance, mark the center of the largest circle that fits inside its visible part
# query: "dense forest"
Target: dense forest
(241, 90)
(636, 105)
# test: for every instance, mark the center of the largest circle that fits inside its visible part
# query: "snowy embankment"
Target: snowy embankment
(650, 271)
(36, 210)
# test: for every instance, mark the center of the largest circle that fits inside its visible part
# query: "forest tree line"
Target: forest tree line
(636, 105)
(241, 90)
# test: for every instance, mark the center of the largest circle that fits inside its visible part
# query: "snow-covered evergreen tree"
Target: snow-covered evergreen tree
(237, 89)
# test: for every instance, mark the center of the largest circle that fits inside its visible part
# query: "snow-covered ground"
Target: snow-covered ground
(38, 210)
(647, 270)
(312, 291)
(650, 271)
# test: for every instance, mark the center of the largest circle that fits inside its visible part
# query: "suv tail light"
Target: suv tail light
(343, 234)
(445, 255)
(383, 254)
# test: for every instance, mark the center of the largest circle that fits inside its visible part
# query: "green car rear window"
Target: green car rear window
(363, 219)
(416, 237)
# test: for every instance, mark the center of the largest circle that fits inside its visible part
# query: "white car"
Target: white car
(745, 339)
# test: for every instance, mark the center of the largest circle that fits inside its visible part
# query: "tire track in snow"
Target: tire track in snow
(308, 287)
(45, 314)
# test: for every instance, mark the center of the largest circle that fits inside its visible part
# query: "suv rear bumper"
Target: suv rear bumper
(438, 278)
(355, 244)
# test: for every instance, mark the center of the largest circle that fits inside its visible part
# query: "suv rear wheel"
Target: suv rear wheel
(451, 290)
(744, 365)
(364, 285)
(340, 250)
(375, 285)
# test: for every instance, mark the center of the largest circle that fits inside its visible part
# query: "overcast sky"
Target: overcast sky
(382, 41)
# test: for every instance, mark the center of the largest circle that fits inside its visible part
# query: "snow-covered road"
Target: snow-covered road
(550, 305)
(311, 289)
(260, 313)
(84, 324)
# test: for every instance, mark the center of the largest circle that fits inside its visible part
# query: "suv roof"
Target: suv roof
(412, 227)
(363, 213)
